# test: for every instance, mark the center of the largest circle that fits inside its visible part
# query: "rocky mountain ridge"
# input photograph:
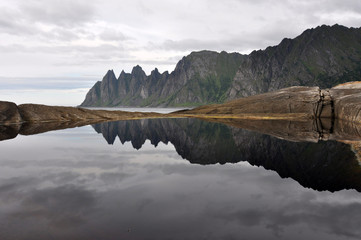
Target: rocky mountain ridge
(324, 56)
(184, 86)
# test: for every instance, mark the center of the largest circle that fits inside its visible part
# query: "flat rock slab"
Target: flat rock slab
(44, 113)
(294, 102)
(347, 104)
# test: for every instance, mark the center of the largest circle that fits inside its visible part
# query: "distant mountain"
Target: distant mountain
(200, 77)
(324, 56)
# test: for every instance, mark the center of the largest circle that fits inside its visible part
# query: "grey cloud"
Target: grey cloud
(75, 54)
(157, 63)
(113, 35)
(63, 15)
(239, 44)
(326, 5)
(103, 51)
(188, 44)
(7, 25)
(304, 5)
(349, 5)
(13, 48)
(142, 5)
(20, 28)
(67, 13)
(61, 34)
(11, 22)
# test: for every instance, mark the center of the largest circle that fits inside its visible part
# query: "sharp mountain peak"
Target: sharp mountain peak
(323, 56)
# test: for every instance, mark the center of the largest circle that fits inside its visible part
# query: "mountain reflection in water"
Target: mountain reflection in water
(323, 165)
(71, 184)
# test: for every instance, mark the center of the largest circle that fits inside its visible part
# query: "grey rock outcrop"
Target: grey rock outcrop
(295, 102)
(342, 102)
(9, 113)
(347, 102)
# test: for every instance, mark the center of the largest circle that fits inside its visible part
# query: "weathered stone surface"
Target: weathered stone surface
(293, 102)
(38, 113)
(347, 102)
(342, 102)
(43, 113)
(9, 113)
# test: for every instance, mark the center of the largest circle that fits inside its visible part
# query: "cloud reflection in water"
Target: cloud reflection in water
(71, 184)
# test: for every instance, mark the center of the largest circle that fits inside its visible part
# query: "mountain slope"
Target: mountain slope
(324, 56)
(198, 78)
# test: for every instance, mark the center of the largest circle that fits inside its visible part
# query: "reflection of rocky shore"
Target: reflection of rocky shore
(299, 131)
(11, 131)
(293, 149)
(326, 165)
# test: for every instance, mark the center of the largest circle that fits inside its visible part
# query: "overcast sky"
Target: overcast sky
(53, 51)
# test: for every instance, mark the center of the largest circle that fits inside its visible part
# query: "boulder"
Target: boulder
(9, 113)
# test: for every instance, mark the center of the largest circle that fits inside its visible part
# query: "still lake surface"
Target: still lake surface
(176, 179)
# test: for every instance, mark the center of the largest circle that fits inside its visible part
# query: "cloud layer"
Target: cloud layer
(59, 38)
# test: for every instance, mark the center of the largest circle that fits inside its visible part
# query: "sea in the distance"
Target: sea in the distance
(138, 109)
(176, 179)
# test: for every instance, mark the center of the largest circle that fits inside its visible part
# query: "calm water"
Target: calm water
(139, 109)
(176, 179)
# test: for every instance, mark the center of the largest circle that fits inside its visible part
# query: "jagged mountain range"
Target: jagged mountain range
(323, 56)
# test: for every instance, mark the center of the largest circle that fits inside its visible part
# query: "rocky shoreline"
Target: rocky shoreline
(342, 102)
(10, 113)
